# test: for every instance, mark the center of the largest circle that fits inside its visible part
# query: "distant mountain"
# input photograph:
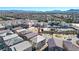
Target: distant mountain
(18, 11)
(53, 11)
(73, 11)
(68, 11)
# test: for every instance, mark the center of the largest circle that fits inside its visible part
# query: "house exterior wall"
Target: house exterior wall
(40, 44)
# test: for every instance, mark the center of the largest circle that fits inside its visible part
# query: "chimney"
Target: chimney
(39, 31)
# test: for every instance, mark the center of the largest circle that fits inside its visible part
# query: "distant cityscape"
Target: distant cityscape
(39, 30)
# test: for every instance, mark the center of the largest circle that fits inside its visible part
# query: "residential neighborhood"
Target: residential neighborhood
(39, 31)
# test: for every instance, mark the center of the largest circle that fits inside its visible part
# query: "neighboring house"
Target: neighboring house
(2, 27)
(23, 46)
(5, 33)
(29, 35)
(22, 31)
(69, 46)
(13, 39)
(55, 45)
(16, 28)
(3, 46)
(38, 41)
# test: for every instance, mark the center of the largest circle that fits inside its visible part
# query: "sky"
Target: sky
(38, 8)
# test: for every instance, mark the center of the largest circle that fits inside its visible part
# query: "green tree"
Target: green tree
(68, 20)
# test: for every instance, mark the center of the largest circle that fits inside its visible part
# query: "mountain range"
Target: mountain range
(54, 11)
